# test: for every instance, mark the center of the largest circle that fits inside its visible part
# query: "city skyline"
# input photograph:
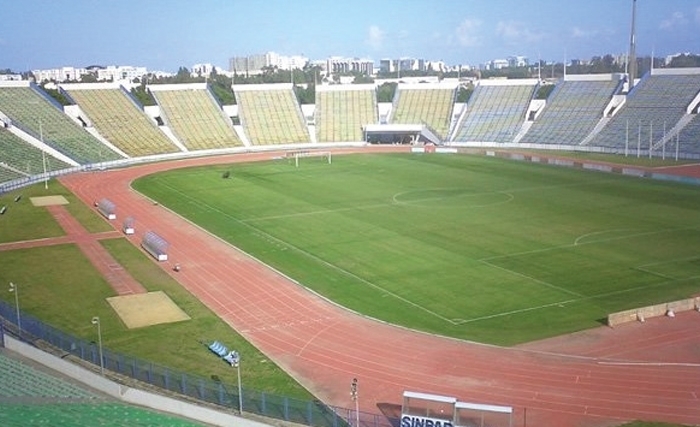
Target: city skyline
(167, 35)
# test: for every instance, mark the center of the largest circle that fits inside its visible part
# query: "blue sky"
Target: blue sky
(165, 34)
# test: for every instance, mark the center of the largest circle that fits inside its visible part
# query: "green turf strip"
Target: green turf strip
(471, 247)
(24, 221)
(58, 285)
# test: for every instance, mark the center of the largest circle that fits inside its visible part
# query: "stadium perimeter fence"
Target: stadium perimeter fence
(311, 413)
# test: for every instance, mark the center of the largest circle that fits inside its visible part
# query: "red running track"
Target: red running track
(324, 346)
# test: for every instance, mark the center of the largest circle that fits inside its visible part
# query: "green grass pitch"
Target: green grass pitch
(471, 247)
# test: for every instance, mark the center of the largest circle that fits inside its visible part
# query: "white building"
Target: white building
(10, 77)
(62, 74)
(201, 70)
(498, 64)
(517, 61)
(254, 64)
(121, 73)
(340, 65)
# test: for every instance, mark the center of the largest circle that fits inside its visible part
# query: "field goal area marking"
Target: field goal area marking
(577, 242)
(648, 268)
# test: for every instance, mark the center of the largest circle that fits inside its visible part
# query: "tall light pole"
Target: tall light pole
(96, 321)
(43, 155)
(240, 390)
(353, 394)
(15, 289)
(632, 56)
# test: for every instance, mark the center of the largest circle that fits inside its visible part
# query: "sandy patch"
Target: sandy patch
(153, 308)
(48, 200)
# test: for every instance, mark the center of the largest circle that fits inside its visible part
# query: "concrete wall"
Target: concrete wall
(643, 313)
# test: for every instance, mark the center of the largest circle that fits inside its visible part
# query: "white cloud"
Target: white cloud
(676, 19)
(466, 34)
(514, 31)
(579, 33)
(375, 37)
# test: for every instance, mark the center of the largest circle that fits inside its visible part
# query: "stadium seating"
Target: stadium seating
(7, 174)
(340, 114)
(572, 111)
(270, 114)
(121, 121)
(430, 106)
(33, 113)
(196, 119)
(688, 138)
(495, 112)
(23, 157)
(21, 380)
(30, 397)
(85, 415)
(654, 106)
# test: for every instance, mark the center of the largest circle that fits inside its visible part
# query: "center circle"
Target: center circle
(451, 198)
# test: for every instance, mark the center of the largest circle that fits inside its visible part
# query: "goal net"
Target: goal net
(295, 156)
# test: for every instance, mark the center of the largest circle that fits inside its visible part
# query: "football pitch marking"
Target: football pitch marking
(575, 300)
(318, 212)
(582, 237)
(648, 268)
(525, 276)
(457, 193)
(456, 322)
(272, 238)
(574, 244)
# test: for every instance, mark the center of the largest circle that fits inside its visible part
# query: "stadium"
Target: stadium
(189, 210)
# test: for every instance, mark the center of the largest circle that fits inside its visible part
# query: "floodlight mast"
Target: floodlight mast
(96, 321)
(632, 57)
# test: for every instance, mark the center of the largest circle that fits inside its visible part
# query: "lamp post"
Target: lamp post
(240, 390)
(353, 394)
(96, 321)
(15, 289)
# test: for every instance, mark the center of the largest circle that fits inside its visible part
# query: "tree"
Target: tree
(183, 76)
(544, 91)
(685, 61)
(306, 95)
(464, 93)
(221, 88)
(58, 95)
(385, 92)
(142, 95)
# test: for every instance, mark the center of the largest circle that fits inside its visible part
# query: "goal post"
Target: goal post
(296, 155)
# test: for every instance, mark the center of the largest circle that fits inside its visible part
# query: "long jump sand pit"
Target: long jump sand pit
(48, 200)
(152, 308)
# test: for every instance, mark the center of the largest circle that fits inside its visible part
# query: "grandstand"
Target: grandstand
(573, 109)
(31, 397)
(120, 119)
(19, 159)
(688, 138)
(342, 110)
(270, 114)
(32, 111)
(652, 109)
(426, 103)
(496, 111)
(195, 116)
